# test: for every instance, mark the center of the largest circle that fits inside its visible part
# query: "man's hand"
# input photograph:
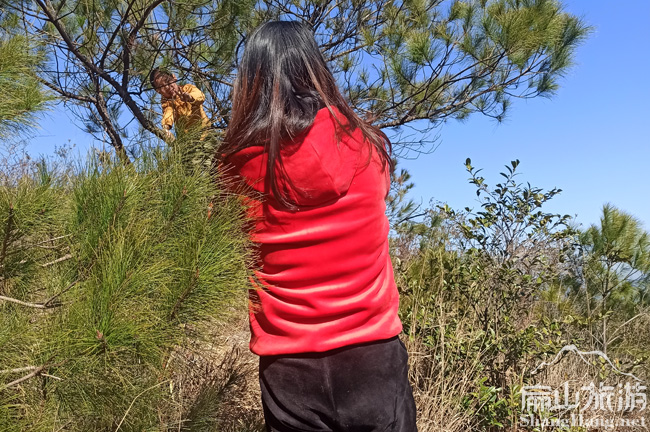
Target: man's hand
(185, 97)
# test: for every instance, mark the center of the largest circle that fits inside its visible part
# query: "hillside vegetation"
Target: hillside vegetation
(122, 300)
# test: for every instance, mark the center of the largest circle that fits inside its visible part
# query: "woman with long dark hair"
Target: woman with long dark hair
(323, 308)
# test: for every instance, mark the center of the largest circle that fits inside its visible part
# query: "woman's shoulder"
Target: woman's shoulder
(330, 117)
(329, 128)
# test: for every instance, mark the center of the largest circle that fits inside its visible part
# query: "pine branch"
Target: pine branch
(130, 40)
(92, 68)
(107, 123)
(65, 93)
(118, 28)
(185, 294)
(27, 304)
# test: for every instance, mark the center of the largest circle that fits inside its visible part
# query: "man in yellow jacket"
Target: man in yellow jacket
(182, 105)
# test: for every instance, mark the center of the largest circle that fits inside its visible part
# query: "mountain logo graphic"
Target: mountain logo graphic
(582, 354)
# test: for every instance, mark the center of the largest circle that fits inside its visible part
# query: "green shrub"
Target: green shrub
(102, 275)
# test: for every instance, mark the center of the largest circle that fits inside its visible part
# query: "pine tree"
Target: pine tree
(22, 94)
(101, 276)
(614, 274)
(397, 61)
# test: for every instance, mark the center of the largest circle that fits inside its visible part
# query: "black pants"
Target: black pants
(360, 387)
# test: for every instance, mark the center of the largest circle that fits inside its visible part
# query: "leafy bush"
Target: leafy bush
(468, 283)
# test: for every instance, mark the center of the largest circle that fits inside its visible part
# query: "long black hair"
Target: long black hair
(283, 80)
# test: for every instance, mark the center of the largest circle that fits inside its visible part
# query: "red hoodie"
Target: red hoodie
(326, 276)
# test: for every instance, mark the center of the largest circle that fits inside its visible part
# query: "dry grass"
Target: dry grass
(216, 383)
(216, 379)
(217, 388)
(438, 393)
(578, 374)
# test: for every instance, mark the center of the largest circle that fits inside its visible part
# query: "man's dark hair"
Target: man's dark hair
(157, 73)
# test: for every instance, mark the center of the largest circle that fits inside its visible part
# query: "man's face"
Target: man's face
(166, 85)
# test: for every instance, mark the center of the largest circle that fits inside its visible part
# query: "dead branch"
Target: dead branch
(58, 260)
(20, 369)
(22, 303)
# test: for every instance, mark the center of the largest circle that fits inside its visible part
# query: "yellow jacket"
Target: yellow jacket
(185, 114)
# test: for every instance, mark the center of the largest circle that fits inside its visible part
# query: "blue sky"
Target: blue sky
(591, 139)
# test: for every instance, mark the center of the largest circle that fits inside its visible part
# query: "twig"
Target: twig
(50, 247)
(66, 289)
(51, 239)
(32, 374)
(21, 369)
(65, 93)
(45, 305)
(185, 293)
(64, 426)
(19, 262)
(52, 376)
(135, 398)
(35, 371)
(22, 303)
(411, 216)
(58, 260)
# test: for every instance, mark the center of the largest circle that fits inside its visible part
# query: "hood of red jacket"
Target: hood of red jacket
(316, 167)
